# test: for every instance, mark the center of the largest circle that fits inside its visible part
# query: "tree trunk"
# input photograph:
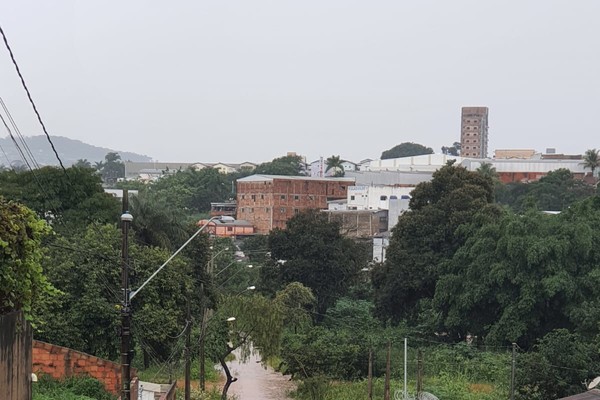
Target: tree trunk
(370, 384)
(146, 358)
(230, 378)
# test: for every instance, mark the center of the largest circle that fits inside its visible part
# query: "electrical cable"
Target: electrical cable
(39, 117)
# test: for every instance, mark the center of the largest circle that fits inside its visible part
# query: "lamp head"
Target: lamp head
(126, 217)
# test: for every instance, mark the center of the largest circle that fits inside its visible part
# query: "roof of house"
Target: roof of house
(270, 178)
(593, 394)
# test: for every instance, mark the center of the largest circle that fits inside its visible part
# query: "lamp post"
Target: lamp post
(126, 219)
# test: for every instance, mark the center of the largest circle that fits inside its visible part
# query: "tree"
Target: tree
(83, 163)
(453, 150)
(69, 201)
(112, 168)
(335, 163)
(23, 285)
(488, 171)
(85, 268)
(559, 365)
(258, 324)
(287, 165)
(556, 191)
(406, 149)
(425, 237)
(518, 277)
(296, 302)
(591, 159)
(317, 256)
(155, 223)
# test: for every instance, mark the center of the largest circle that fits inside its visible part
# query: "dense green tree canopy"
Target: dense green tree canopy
(406, 149)
(426, 236)
(287, 165)
(312, 251)
(22, 282)
(69, 201)
(554, 192)
(518, 277)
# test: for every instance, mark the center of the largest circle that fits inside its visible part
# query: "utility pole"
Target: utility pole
(405, 368)
(388, 371)
(370, 383)
(126, 219)
(202, 337)
(512, 371)
(419, 373)
(188, 358)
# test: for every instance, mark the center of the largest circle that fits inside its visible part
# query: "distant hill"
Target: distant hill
(69, 150)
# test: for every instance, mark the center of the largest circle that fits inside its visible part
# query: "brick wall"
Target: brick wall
(60, 362)
(271, 203)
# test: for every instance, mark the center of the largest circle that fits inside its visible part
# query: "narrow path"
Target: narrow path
(256, 382)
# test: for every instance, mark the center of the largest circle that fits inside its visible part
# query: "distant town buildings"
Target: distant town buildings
(474, 132)
(151, 171)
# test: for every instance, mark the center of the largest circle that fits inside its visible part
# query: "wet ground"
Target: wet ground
(256, 382)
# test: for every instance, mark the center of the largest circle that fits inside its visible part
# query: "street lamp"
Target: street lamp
(126, 219)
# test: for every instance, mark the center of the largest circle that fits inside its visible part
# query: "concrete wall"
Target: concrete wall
(15, 357)
(60, 362)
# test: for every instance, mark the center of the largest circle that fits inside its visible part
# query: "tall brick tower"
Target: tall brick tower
(474, 132)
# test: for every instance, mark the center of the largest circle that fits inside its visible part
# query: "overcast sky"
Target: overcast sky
(237, 80)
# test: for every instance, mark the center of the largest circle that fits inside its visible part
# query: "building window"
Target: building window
(267, 209)
(311, 197)
(230, 229)
(243, 196)
(343, 187)
(351, 197)
(283, 197)
(296, 211)
(262, 196)
(382, 197)
(282, 210)
(382, 219)
(253, 197)
(251, 210)
(296, 197)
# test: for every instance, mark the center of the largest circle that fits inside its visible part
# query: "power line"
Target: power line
(18, 132)
(39, 117)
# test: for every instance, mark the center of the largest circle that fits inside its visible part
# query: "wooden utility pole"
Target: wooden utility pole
(370, 383)
(512, 371)
(388, 371)
(419, 372)
(188, 343)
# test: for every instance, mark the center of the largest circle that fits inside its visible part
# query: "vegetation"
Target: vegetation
(406, 149)
(287, 165)
(474, 266)
(335, 163)
(74, 388)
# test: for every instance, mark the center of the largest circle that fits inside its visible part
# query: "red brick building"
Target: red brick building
(268, 201)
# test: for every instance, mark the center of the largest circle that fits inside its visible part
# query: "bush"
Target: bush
(73, 388)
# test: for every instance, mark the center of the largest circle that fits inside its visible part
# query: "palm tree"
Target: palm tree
(488, 171)
(83, 163)
(591, 159)
(156, 223)
(335, 163)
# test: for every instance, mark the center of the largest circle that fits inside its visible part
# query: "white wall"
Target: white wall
(370, 197)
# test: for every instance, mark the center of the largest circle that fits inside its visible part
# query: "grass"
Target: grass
(73, 388)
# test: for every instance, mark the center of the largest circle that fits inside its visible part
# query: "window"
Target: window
(343, 187)
(296, 197)
(283, 197)
(243, 196)
(383, 197)
(382, 219)
(351, 197)
(282, 210)
(230, 229)
(311, 197)
(296, 211)
(251, 210)
(267, 209)
(253, 197)
(262, 196)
